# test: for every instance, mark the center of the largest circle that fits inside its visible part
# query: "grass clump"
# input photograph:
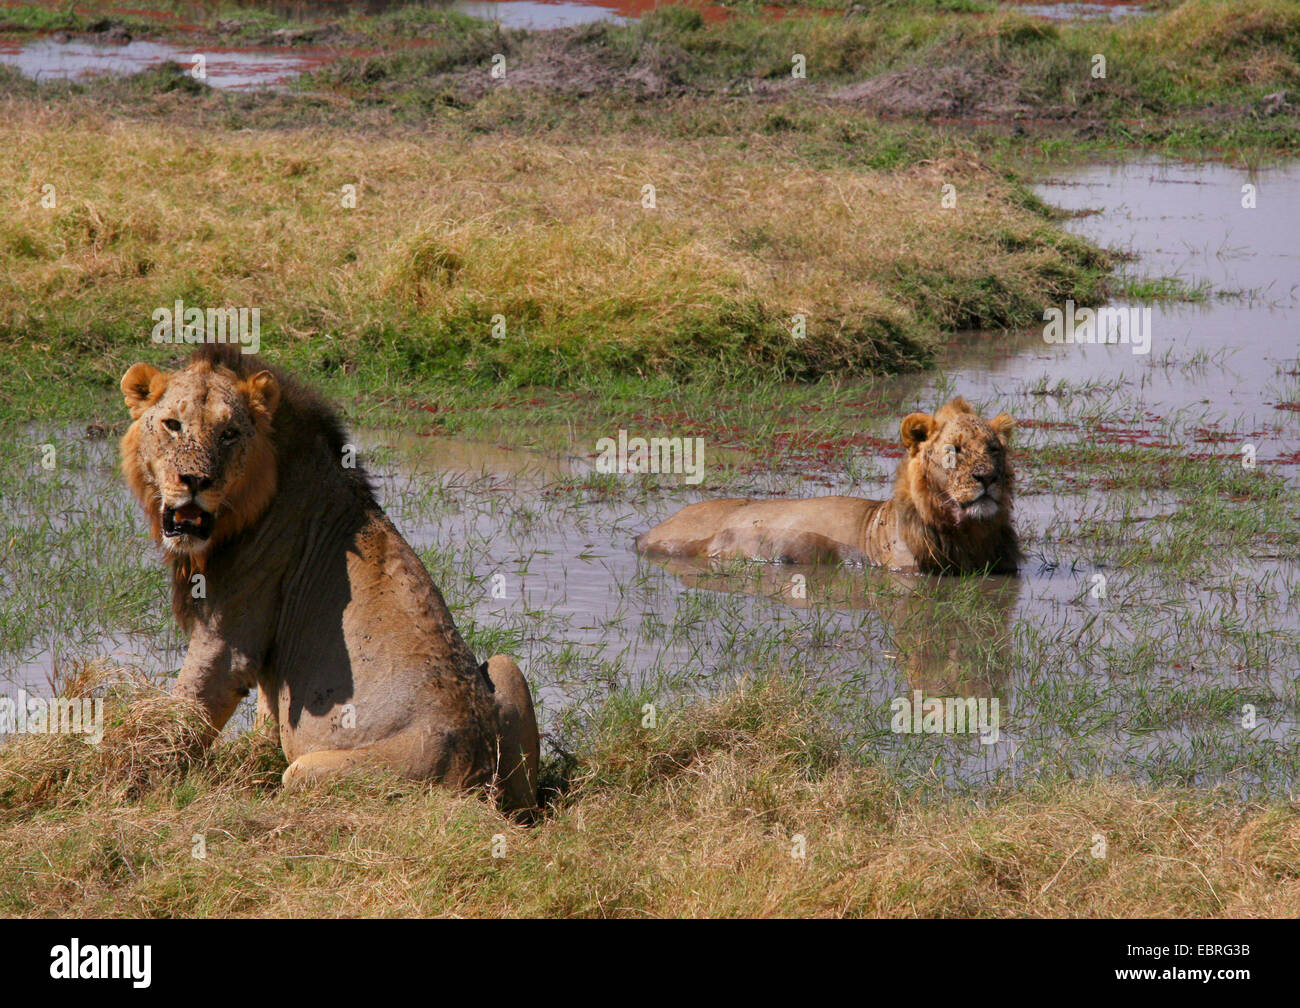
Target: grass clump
(37, 18)
(149, 737)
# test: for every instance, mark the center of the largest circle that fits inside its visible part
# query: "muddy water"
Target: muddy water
(57, 57)
(1107, 10)
(1190, 222)
(48, 59)
(540, 15)
(534, 14)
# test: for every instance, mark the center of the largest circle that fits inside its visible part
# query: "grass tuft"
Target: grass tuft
(150, 738)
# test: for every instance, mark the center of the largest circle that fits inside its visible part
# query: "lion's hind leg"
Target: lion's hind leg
(313, 767)
(517, 741)
(409, 754)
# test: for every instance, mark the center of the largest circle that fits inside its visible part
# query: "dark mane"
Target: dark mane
(305, 403)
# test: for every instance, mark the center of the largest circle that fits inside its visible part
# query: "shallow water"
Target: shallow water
(542, 14)
(58, 57)
(1231, 355)
(535, 555)
(1108, 10)
(48, 59)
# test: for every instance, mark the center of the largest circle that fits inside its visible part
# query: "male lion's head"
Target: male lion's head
(199, 455)
(956, 473)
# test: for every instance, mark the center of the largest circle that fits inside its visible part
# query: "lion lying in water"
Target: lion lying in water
(950, 513)
(290, 579)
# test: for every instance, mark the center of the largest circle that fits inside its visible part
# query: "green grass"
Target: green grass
(29, 17)
(1166, 288)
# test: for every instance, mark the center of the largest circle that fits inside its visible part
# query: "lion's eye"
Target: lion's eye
(229, 436)
(172, 424)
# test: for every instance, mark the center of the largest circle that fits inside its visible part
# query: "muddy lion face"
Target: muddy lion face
(962, 461)
(199, 457)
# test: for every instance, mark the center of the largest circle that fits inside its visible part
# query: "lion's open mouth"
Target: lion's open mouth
(188, 519)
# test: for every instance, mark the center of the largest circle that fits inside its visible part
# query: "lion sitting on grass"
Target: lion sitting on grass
(290, 579)
(950, 513)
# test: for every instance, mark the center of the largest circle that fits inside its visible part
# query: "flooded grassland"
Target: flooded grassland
(1156, 505)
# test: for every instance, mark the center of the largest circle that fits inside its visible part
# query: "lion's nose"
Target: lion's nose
(985, 477)
(197, 484)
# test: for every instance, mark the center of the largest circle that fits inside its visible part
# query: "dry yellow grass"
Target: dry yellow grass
(149, 737)
(700, 817)
(555, 237)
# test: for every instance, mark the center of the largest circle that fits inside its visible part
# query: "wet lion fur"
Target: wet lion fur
(950, 511)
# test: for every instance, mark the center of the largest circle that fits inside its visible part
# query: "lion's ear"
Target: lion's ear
(916, 427)
(142, 385)
(264, 394)
(1003, 424)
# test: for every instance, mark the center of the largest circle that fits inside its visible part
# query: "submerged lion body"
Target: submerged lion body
(950, 512)
(291, 580)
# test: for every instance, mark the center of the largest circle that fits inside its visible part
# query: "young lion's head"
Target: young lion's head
(199, 456)
(956, 474)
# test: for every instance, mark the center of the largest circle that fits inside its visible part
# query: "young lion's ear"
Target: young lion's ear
(141, 386)
(264, 394)
(916, 427)
(1003, 424)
